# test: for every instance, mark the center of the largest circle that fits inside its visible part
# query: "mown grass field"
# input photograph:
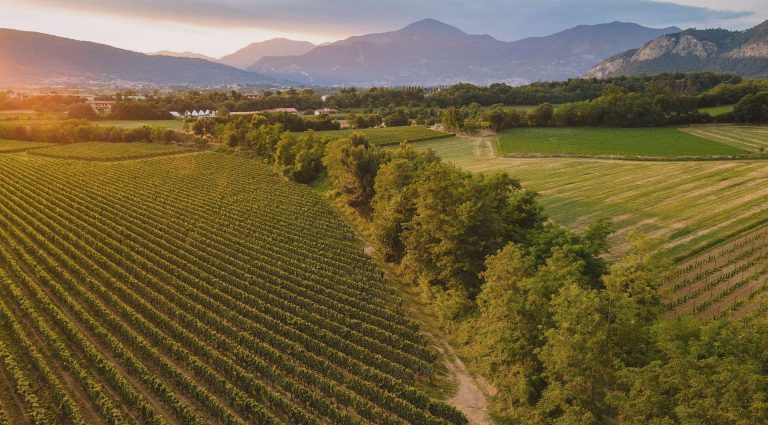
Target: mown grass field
(619, 142)
(389, 135)
(750, 138)
(691, 205)
(105, 151)
(194, 289)
(18, 145)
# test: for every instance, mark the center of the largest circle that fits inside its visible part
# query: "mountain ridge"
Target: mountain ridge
(44, 59)
(716, 50)
(430, 52)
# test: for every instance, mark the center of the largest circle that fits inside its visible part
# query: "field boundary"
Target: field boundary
(639, 158)
(128, 158)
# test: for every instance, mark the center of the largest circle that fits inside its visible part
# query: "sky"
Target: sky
(219, 27)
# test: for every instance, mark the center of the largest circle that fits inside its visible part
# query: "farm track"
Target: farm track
(201, 299)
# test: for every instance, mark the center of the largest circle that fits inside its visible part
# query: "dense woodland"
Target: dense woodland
(565, 336)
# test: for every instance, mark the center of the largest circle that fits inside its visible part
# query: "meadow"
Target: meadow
(389, 135)
(717, 110)
(106, 151)
(194, 289)
(618, 142)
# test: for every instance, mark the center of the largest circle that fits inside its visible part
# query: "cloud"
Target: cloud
(504, 19)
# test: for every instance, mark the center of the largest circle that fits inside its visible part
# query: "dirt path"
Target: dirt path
(470, 392)
(469, 397)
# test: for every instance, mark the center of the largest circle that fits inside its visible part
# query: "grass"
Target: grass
(717, 110)
(103, 151)
(690, 205)
(17, 145)
(750, 138)
(621, 142)
(171, 124)
(389, 135)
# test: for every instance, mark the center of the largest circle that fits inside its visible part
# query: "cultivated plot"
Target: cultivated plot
(194, 289)
(106, 151)
(615, 142)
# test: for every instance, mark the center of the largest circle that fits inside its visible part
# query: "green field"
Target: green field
(691, 205)
(194, 289)
(171, 124)
(17, 145)
(389, 135)
(717, 110)
(619, 142)
(105, 151)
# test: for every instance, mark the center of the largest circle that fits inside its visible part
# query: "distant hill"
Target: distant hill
(192, 55)
(740, 52)
(251, 53)
(35, 58)
(430, 52)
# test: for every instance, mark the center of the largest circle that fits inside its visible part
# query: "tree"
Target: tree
(81, 111)
(752, 108)
(299, 158)
(394, 200)
(352, 165)
(398, 118)
(541, 116)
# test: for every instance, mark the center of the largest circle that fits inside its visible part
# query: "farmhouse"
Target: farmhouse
(195, 114)
(326, 111)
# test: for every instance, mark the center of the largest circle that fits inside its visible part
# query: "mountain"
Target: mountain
(35, 58)
(430, 52)
(192, 55)
(251, 53)
(740, 52)
(570, 52)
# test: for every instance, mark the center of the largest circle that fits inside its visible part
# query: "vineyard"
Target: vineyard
(7, 146)
(105, 151)
(389, 135)
(731, 280)
(194, 289)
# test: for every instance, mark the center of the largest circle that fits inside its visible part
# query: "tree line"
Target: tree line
(565, 336)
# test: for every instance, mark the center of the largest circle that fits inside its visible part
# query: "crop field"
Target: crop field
(194, 289)
(730, 280)
(106, 151)
(17, 145)
(389, 135)
(619, 142)
(750, 138)
(692, 205)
